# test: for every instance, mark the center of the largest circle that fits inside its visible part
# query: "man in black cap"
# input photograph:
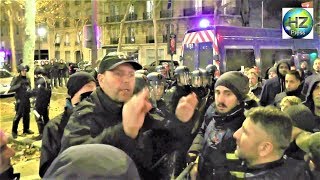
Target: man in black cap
(221, 120)
(80, 85)
(21, 86)
(113, 115)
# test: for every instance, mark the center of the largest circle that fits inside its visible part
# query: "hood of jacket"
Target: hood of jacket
(309, 101)
(278, 64)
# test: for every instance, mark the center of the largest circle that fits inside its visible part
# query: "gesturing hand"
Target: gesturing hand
(186, 106)
(134, 112)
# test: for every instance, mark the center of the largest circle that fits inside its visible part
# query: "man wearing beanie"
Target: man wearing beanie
(221, 120)
(113, 115)
(80, 85)
(274, 85)
(302, 120)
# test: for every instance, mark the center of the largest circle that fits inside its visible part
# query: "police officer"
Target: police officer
(21, 86)
(42, 94)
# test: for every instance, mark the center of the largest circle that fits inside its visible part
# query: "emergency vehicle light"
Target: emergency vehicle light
(204, 23)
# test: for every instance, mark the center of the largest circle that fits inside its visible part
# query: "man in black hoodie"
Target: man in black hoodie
(275, 85)
(316, 73)
(313, 99)
(293, 83)
(80, 86)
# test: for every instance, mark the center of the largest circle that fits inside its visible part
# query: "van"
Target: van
(230, 47)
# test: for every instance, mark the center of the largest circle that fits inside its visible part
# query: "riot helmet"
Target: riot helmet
(211, 69)
(39, 70)
(142, 71)
(156, 84)
(22, 67)
(161, 69)
(199, 78)
(181, 73)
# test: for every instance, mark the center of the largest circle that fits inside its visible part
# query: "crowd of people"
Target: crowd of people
(128, 123)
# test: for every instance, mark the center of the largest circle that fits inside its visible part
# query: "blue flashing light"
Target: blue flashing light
(204, 23)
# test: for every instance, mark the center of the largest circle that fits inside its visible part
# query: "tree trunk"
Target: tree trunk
(12, 44)
(29, 44)
(121, 26)
(155, 30)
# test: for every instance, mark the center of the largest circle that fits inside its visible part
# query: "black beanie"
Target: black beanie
(237, 82)
(302, 117)
(77, 81)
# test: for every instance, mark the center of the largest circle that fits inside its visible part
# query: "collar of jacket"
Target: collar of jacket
(265, 166)
(68, 104)
(106, 102)
(233, 114)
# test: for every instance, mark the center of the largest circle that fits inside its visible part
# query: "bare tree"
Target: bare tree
(12, 9)
(122, 24)
(28, 49)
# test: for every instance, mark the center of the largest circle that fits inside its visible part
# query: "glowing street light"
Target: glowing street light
(41, 33)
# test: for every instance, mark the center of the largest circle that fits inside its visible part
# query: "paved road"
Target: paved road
(29, 168)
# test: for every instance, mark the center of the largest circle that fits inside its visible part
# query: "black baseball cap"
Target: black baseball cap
(110, 62)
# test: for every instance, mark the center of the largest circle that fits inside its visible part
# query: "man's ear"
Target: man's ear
(265, 148)
(100, 78)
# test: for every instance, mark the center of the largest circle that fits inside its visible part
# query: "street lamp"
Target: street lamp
(41, 33)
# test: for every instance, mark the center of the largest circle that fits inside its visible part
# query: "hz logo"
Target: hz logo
(297, 23)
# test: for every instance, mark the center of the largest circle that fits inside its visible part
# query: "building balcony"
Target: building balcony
(132, 17)
(147, 15)
(207, 10)
(130, 40)
(114, 40)
(57, 44)
(166, 13)
(116, 18)
(189, 12)
(149, 39)
(67, 44)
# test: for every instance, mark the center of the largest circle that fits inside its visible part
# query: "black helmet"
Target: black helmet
(211, 69)
(22, 67)
(155, 77)
(199, 78)
(181, 73)
(39, 70)
(141, 81)
(142, 71)
(156, 82)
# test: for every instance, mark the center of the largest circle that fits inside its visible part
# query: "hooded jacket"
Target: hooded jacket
(296, 93)
(273, 86)
(309, 100)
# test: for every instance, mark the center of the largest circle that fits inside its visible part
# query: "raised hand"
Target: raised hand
(186, 106)
(134, 112)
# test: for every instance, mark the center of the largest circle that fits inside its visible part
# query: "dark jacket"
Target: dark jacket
(173, 95)
(279, 170)
(9, 175)
(272, 87)
(296, 93)
(214, 140)
(309, 101)
(21, 86)
(51, 139)
(307, 83)
(98, 120)
(42, 92)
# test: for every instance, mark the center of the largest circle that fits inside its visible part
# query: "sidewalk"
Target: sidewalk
(26, 161)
